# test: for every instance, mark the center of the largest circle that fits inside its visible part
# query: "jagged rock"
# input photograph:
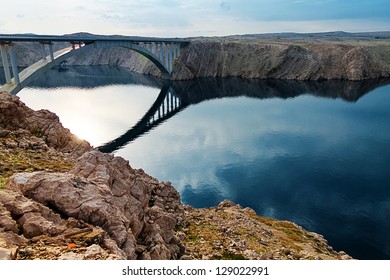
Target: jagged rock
(33, 218)
(7, 254)
(93, 252)
(15, 115)
(225, 204)
(6, 221)
(9, 243)
(71, 256)
(103, 191)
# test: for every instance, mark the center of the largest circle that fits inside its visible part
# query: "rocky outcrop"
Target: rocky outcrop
(101, 201)
(228, 231)
(101, 193)
(43, 124)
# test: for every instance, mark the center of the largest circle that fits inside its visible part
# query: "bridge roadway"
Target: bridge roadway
(85, 38)
(161, 51)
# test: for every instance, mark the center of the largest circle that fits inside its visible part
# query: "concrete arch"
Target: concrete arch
(145, 52)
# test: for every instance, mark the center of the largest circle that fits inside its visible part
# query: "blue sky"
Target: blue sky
(182, 18)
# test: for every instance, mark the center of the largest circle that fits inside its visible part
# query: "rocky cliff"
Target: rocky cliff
(98, 207)
(257, 59)
(298, 61)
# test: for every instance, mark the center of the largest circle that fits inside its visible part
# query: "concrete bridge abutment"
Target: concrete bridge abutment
(7, 50)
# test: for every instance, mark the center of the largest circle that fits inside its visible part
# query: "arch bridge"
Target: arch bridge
(161, 51)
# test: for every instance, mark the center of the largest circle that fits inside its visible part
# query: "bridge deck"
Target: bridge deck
(85, 38)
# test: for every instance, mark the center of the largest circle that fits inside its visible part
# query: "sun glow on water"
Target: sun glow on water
(96, 115)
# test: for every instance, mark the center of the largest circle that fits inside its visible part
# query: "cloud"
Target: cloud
(225, 6)
(193, 18)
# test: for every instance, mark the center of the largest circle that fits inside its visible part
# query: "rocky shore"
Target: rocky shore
(62, 199)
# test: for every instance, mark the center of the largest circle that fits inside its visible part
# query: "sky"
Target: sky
(187, 18)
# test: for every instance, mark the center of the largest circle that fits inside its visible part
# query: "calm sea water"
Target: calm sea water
(314, 153)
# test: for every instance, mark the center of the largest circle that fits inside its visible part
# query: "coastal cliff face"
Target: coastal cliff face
(252, 59)
(57, 205)
(256, 59)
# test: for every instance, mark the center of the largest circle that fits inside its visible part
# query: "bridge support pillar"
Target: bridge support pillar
(161, 51)
(4, 58)
(43, 51)
(51, 51)
(170, 58)
(166, 53)
(14, 65)
(175, 53)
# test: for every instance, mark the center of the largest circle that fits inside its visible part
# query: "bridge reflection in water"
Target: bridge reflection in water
(166, 105)
(175, 96)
